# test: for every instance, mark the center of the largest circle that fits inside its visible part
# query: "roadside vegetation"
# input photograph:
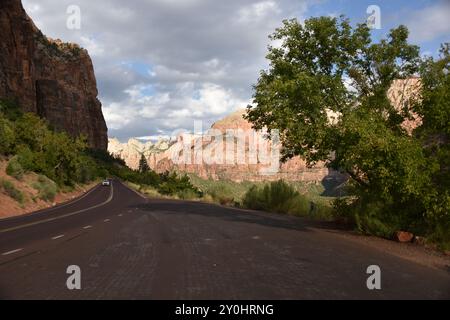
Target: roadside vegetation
(10, 189)
(399, 178)
(282, 197)
(61, 162)
(166, 184)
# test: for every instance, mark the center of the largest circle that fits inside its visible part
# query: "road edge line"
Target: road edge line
(111, 195)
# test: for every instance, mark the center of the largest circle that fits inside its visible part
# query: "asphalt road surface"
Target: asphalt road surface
(128, 247)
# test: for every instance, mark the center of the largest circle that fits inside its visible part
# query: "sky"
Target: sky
(163, 64)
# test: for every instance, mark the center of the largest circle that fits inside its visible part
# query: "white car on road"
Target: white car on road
(106, 182)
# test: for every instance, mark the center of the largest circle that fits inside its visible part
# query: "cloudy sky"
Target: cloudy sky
(161, 64)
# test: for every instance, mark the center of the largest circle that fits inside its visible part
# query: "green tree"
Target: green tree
(326, 68)
(143, 164)
(7, 136)
(434, 109)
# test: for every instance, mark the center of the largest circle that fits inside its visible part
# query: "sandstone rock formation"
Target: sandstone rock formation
(132, 150)
(52, 79)
(222, 153)
(403, 94)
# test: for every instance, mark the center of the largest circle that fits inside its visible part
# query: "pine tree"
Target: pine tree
(143, 164)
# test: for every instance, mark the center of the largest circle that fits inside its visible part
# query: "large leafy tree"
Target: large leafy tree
(326, 91)
(434, 109)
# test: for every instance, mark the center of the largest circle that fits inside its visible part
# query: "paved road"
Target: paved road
(129, 247)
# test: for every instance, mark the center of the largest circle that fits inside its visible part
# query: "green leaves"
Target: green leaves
(42, 150)
(325, 67)
(7, 136)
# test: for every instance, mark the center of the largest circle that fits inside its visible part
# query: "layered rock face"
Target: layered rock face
(231, 150)
(52, 79)
(132, 150)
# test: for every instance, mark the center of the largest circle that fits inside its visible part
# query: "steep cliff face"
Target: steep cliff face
(52, 79)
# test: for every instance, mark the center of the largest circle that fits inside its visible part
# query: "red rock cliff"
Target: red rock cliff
(52, 79)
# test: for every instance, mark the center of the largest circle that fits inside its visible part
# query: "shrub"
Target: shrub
(276, 197)
(187, 194)
(14, 168)
(222, 193)
(299, 205)
(26, 158)
(46, 187)
(148, 191)
(7, 136)
(172, 184)
(87, 170)
(12, 191)
(253, 199)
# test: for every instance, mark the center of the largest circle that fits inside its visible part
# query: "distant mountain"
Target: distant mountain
(48, 77)
(132, 150)
(224, 135)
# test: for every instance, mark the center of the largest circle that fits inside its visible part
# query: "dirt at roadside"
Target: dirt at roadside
(10, 207)
(420, 254)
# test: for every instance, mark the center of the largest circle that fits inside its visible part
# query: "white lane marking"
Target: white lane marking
(58, 237)
(11, 252)
(111, 195)
(106, 220)
(119, 215)
(87, 227)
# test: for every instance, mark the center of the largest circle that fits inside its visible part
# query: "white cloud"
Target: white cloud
(116, 117)
(185, 59)
(32, 8)
(257, 11)
(430, 23)
(167, 111)
(92, 46)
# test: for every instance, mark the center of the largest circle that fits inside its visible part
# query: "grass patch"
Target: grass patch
(47, 188)
(12, 191)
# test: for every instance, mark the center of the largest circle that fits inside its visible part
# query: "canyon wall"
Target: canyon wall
(53, 79)
(206, 156)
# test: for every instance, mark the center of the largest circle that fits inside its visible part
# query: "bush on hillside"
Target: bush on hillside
(46, 187)
(39, 149)
(14, 168)
(12, 191)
